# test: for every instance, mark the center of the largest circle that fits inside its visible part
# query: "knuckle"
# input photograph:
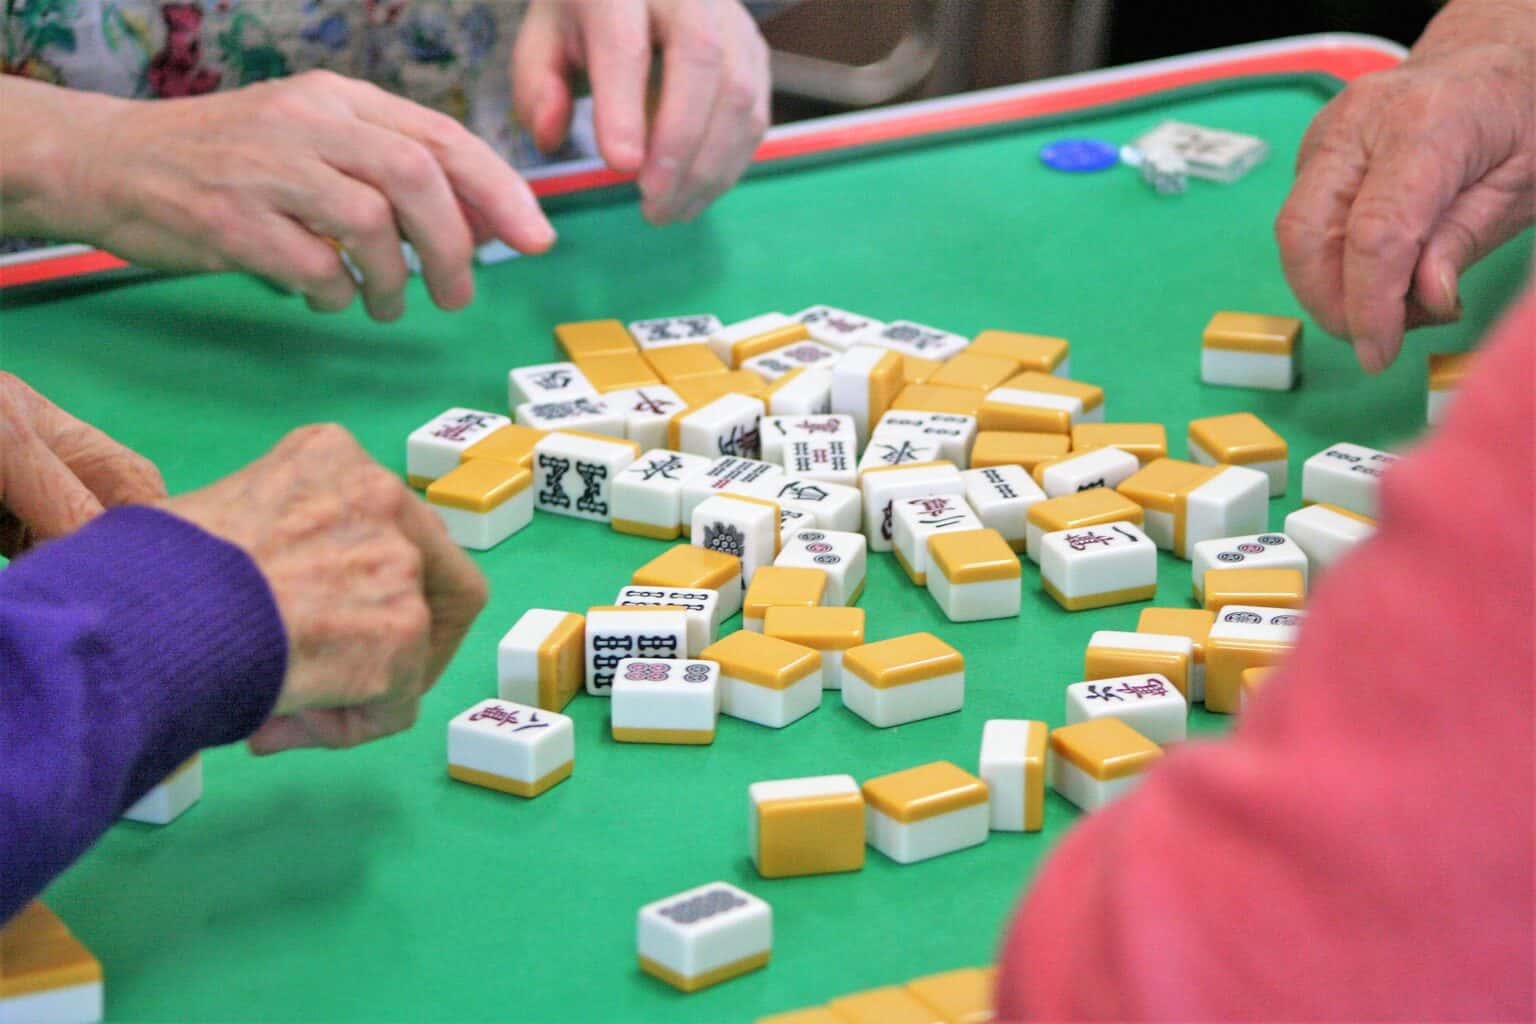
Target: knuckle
(414, 167)
(1378, 229)
(439, 130)
(367, 214)
(318, 78)
(411, 624)
(741, 93)
(702, 46)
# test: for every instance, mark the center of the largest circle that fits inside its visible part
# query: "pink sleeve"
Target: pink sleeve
(1361, 846)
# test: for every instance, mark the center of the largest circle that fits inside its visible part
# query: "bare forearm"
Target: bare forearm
(42, 160)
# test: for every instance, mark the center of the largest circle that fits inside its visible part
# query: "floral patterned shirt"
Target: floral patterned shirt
(450, 55)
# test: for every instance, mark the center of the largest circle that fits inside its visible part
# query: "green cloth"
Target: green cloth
(368, 886)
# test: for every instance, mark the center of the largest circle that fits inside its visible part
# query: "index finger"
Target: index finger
(1311, 224)
(478, 176)
(454, 589)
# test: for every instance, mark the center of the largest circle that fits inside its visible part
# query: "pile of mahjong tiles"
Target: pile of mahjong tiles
(771, 457)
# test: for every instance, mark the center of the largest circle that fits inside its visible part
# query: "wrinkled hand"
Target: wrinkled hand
(266, 178)
(57, 473)
(713, 109)
(374, 596)
(1410, 175)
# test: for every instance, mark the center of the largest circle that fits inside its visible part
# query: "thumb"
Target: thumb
(1477, 222)
(541, 88)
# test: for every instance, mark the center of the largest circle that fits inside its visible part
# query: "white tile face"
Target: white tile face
(546, 382)
(1234, 503)
(433, 449)
(974, 602)
(953, 433)
(898, 705)
(726, 338)
(799, 355)
(514, 741)
(1098, 559)
(481, 531)
(1255, 551)
(850, 384)
(915, 339)
(591, 414)
(1102, 467)
(835, 506)
(1276, 469)
(1325, 535)
(1346, 475)
(646, 412)
(792, 521)
(839, 554)
(650, 489)
(613, 636)
(1436, 405)
(170, 800)
(915, 520)
(1207, 152)
(703, 929)
(69, 1004)
(838, 328)
(1150, 704)
(728, 475)
(517, 655)
(1082, 789)
(1265, 371)
(652, 693)
(777, 431)
(832, 460)
(1256, 624)
(747, 529)
(897, 450)
(728, 426)
(809, 394)
(702, 606)
(883, 487)
(765, 706)
(908, 843)
(1002, 496)
(573, 476)
(674, 330)
(1004, 742)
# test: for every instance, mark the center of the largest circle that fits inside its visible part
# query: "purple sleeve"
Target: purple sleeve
(124, 649)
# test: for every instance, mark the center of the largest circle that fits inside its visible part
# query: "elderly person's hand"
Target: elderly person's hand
(713, 109)
(276, 179)
(57, 473)
(374, 596)
(1410, 175)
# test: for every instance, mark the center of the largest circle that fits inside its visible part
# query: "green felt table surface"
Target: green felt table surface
(366, 885)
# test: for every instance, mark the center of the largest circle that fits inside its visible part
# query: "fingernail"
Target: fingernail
(1372, 357)
(1448, 287)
